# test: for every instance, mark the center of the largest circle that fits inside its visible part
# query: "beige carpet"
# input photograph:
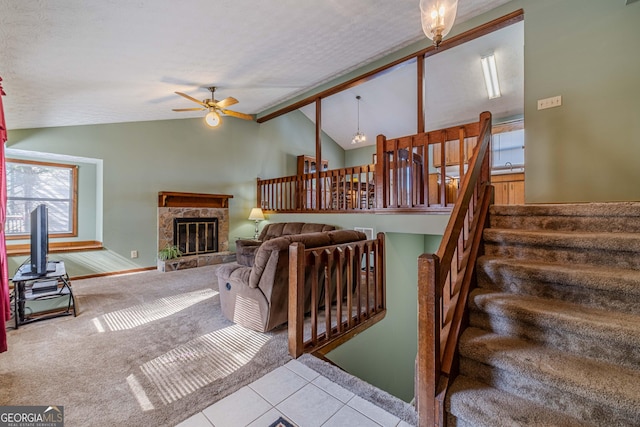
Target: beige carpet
(148, 349)
(554, 336)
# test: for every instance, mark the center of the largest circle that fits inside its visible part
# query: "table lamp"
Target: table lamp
(257, 216)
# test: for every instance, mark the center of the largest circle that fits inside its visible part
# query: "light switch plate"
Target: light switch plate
(554, 101)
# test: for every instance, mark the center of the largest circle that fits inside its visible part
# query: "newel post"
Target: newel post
(296, 299)
(428, 363)
(259, 194)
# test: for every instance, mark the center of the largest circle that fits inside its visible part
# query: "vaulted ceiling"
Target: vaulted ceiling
(74, 62)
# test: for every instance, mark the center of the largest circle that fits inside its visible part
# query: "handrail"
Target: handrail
(345, 284)
(444, 281)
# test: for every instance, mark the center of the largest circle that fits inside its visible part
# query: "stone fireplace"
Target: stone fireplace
(198, 224)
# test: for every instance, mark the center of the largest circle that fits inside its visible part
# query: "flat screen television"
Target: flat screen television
(39, 240)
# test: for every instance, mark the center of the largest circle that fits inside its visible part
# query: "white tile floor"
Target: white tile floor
(300, 395)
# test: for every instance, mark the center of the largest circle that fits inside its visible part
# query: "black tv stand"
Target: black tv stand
(32, 287)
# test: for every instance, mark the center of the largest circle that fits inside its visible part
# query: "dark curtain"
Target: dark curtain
(5, 304)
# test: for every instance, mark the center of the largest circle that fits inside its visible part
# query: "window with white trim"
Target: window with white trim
(31, 183)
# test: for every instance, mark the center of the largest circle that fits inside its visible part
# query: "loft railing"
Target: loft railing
(444, 281)
(346, 287)
(339, 190)
(414, 173)
(412, 169)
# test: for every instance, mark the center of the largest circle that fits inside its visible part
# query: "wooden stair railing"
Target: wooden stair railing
(343, 190)
(416, 173)
(348, 293)
(444, 282)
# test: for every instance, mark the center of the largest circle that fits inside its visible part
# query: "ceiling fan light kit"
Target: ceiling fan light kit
(215, 108)
(437, 17)
(212, 118)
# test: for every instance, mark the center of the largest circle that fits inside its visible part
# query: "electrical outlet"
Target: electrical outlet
(134, 254)
(554, 101)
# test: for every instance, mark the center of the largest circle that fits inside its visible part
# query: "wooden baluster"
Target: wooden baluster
(315, 270)
(339, 254)
(357, 277)
(348, 258)
(326, 268)
(296, 299)
(367, 249)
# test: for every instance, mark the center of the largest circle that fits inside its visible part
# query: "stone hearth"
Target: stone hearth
(173, 205)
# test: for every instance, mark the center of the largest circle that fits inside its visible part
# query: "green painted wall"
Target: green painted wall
(384, 355)
(583, 50)
(141, 159)
(359, 156)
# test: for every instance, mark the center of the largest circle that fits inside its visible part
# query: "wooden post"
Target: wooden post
(318, 154)
(381, 270)
(428, 369)
(381, 173)
(296, 299)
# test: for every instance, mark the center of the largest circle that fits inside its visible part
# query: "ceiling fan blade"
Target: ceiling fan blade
(227, 102)
(189, 109)
(190, 98)
(238, 115)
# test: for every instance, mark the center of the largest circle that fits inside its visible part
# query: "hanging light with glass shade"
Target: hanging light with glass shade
(437, 18)
(359, 137)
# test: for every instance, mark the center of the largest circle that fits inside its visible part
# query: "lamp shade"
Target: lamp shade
(437, 18)
(256, 214)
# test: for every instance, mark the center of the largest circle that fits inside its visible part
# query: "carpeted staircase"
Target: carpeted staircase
(554, 335)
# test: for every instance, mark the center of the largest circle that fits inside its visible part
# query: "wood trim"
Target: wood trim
(474, 33)
(318, 151)
(341, 339)
(507, 126)
(57, 247)
(114, 273)
(171, 199)
(464, 37)
(420, 85)
(74, 197)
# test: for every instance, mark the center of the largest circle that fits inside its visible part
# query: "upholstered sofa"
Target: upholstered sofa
(246, 249)
(257, 297)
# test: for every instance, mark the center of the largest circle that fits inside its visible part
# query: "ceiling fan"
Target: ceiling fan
(215, 108)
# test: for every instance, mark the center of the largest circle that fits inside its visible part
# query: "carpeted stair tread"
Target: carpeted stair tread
(609, 217)
(622, 209)
(480, 405)
(604, 326)
(601, 383)
(582, 275)
(578, 240)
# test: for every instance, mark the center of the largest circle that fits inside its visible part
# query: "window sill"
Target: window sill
(57, 247)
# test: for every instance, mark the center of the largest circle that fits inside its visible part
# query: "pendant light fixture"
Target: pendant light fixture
(437, 18)
(359, 136)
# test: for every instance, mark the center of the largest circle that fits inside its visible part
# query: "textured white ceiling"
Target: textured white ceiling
(73, 62)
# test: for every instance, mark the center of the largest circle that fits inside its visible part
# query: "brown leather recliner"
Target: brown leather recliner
(257, 297)
(246, 249)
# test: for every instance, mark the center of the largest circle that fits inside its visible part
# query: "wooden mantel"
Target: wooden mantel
(171, 199)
